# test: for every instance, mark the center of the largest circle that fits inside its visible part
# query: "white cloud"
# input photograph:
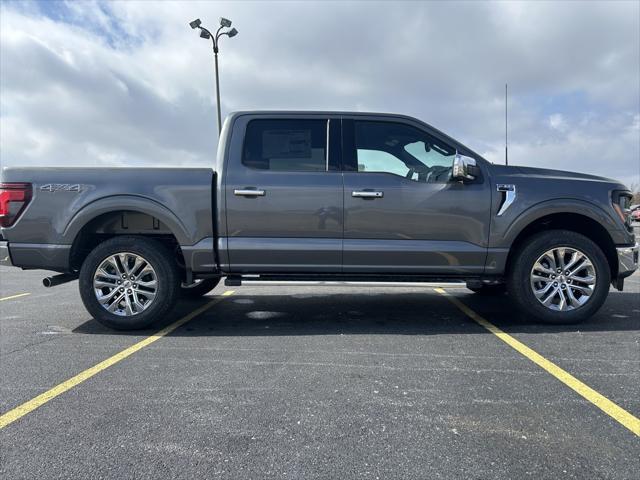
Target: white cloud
(129, 82)
(558, 122)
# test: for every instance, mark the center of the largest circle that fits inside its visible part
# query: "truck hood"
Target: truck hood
(560, 175)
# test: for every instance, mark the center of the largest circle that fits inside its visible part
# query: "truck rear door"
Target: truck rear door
(284, 194)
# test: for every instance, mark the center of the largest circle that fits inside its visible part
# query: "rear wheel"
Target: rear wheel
(198, 288)
(560, 277)
(490, 290)
(129, 282)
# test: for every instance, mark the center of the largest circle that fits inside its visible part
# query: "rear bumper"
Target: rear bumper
(5, 258)
(627, 260)
(35, 255)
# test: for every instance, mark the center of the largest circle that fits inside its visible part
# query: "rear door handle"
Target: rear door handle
(367, 194)
(249, 192)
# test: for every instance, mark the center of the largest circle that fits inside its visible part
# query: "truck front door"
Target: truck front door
(283, 193)
(403, 215)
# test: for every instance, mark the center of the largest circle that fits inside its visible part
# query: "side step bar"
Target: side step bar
(237, 280)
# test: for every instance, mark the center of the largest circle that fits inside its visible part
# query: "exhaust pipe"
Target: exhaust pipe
(58, 279)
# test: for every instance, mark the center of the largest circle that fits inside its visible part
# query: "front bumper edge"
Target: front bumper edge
(627, 260)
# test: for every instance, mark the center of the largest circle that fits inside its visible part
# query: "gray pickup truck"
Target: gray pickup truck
(314, 196)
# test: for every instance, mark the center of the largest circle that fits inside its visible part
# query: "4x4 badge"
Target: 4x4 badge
(61, 187)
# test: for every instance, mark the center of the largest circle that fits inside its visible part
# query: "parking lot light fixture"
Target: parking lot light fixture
(215, 40)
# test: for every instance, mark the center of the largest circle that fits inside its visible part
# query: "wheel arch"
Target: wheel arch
(139, 216)
(581, 223)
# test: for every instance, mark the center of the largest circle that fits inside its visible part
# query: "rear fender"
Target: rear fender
(127, 203)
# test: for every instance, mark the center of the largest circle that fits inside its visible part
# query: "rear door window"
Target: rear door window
(286, 145)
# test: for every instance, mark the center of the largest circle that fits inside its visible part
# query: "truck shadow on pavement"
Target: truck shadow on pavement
(415, 313)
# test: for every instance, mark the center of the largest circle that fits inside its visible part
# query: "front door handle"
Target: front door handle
(367, 194)
(249, 192)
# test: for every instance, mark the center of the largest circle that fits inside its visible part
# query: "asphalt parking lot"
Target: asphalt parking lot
(285, 381)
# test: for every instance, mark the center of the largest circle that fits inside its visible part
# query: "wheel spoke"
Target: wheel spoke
(102, 284)
(145, 271)
(575, 258)
(541, 268)
(547, 301)
(563, 301)
(149, 295)
(137, 262)
(585, 290)
(587, 279)
(137, 302)
(551, 259)
(104, 274)
(115, 265)
(150, 284)
(542, 291)
(114, 306)
(121, 261)
(128, 307)
(104, 299)
(580, 265)
(573, 301)
(560, 252)
(539, 278)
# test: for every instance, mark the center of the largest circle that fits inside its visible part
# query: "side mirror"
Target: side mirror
(464, 168)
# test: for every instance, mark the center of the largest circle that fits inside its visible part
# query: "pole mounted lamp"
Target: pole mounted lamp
(215, 39)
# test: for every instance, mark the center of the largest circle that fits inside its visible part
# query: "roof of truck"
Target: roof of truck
(458, 144)
(318, 112)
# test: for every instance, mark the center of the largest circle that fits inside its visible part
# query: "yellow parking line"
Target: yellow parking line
(14, 296)
(603, 403)
(31, 405)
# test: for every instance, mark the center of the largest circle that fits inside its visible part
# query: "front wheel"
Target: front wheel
(559, 277)
(129, 282)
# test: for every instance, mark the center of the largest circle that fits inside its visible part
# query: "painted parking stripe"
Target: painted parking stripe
(27, 407)
(14, 296)
(603, 403)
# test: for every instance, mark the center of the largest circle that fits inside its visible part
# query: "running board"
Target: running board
(238, 280)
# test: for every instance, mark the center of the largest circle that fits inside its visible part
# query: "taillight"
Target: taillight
(14, 198)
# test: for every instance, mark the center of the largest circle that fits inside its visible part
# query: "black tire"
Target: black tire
(199, 289)
(519, 282)
(490, 290)
(166, 273)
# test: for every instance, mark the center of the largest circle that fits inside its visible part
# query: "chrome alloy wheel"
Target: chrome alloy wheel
(563, 279)
(125, 284)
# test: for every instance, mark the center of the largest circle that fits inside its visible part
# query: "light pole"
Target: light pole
(206, 34)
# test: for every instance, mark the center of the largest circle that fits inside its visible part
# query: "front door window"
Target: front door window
(402, 150)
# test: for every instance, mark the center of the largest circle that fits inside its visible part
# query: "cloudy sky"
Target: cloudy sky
(120, 83)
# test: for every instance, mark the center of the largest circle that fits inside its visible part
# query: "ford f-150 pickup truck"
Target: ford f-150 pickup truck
(320, 195)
